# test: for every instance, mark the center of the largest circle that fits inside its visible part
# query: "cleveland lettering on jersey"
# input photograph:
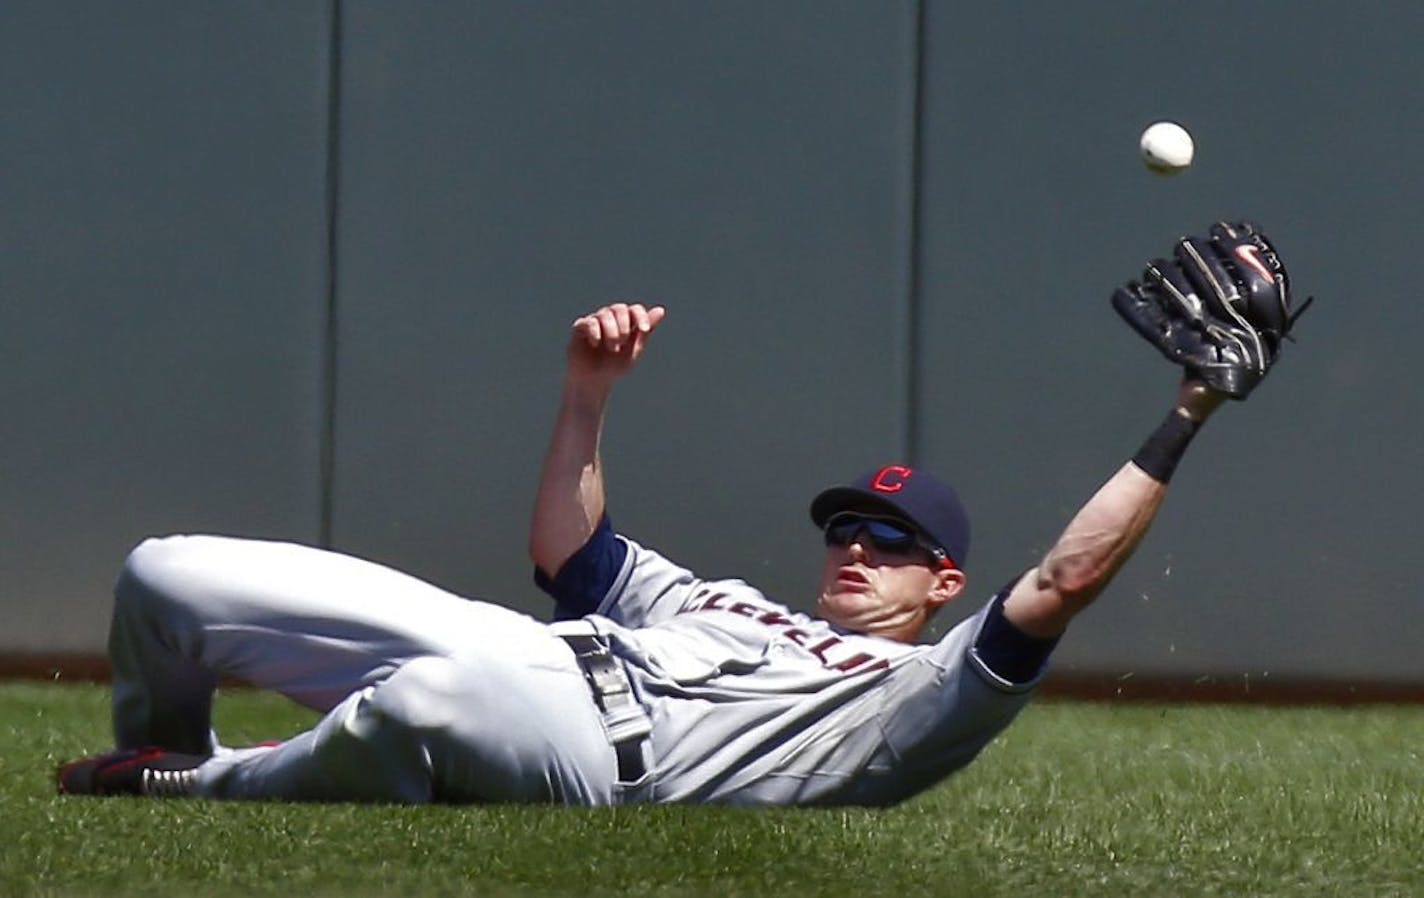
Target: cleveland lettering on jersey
(831, 651)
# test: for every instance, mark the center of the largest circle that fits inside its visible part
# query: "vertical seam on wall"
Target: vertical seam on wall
(329, 367)
(913, 343)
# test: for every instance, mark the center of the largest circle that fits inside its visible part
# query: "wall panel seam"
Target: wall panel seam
(913, 314)
(327, 463)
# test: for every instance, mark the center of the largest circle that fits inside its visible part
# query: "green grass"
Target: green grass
(1075, 799)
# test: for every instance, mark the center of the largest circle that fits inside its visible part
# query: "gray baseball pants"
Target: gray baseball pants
(426, 695)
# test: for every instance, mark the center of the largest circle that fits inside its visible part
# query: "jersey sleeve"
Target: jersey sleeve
(613, 576)
(1004, 651)
(999, 652)
(581, 585)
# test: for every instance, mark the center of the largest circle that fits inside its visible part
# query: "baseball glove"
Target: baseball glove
(1221, 308)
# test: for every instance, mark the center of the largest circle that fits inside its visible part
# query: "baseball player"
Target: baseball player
(653, 684)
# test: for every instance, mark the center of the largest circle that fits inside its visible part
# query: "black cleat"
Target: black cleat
(150, 772)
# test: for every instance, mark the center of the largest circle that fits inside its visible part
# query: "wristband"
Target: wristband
(1158, 456)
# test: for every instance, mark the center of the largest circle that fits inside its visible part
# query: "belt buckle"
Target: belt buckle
(586, 645)
(624, 720)
(600, 668)
(605, 677)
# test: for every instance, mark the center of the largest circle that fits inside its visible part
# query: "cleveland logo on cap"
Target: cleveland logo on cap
(908, 494)
(890, 479)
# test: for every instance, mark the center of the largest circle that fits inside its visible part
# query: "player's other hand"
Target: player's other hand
(606, 343)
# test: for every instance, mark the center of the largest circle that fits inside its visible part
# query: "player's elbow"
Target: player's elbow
(1075, 580)
(544, 557)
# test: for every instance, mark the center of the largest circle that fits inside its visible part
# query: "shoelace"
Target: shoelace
(169, 783)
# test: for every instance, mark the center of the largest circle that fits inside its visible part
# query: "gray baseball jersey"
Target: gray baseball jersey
(754, 703)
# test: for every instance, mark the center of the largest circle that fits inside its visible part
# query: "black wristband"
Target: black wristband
(1158, 456)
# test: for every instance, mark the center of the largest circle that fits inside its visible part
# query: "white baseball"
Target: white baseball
(1167, 148)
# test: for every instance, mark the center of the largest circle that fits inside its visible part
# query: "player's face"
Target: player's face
(880, 578)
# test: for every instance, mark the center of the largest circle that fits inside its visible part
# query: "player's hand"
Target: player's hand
(607, 343)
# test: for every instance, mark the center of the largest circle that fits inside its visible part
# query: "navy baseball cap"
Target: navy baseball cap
(908, 493)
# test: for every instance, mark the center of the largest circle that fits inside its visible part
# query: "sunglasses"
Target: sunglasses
(885, 534)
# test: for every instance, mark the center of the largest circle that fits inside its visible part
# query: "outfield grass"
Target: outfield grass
(1075, 799)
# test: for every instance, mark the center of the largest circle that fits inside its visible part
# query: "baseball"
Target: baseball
(1167, 148)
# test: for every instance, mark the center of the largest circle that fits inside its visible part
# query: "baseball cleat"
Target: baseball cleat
(149, 772)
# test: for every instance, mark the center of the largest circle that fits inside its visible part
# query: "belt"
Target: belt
(624, 720)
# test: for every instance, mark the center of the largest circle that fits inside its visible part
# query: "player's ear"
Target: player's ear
(949, 583)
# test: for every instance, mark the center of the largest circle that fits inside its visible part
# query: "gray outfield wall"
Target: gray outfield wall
(303, 270)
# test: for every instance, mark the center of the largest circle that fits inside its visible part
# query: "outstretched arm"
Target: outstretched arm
(603, 346)
(1222, 309)
(1104, 533)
